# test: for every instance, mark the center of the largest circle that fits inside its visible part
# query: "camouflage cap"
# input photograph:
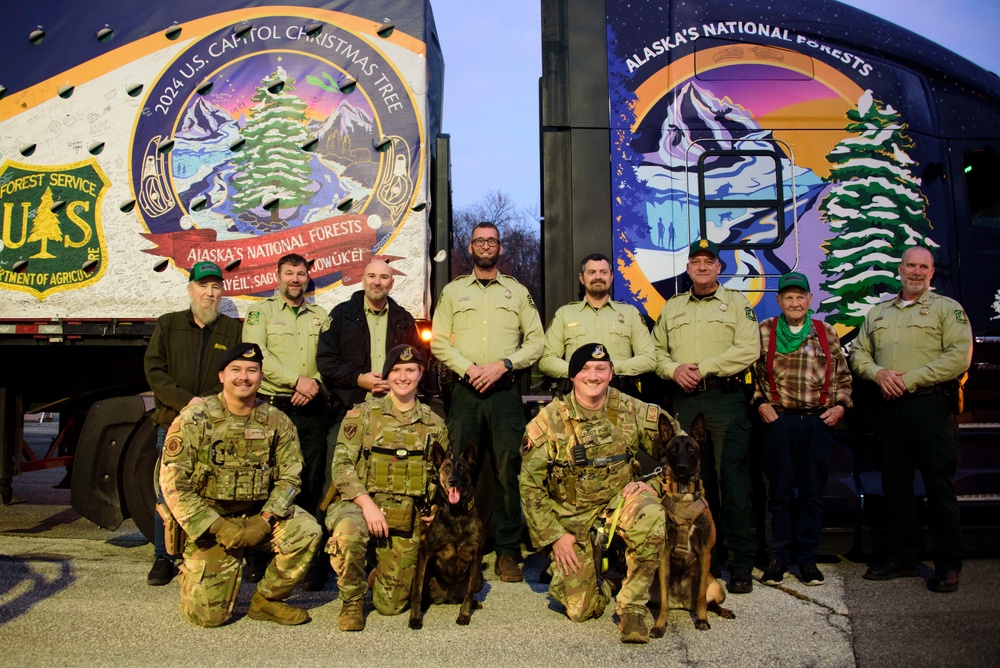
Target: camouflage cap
(204, 270)
(793, 279)
(403, 354)
(247, 352)
(588, 352)
(704, 246)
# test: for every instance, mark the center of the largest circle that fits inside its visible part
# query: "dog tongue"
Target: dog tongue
(453, 496)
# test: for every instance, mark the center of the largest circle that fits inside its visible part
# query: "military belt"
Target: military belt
(605, 461)
(398, 453)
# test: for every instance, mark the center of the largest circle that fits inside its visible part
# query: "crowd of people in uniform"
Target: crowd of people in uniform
(291, 443)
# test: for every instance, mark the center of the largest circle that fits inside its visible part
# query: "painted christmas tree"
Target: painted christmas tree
(271, 163)
(874, 210)
(45, 227)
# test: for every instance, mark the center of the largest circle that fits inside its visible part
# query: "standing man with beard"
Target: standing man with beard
(705, 340)
(181, 367)
(917, 347)
(286, 328)
(486, 326)
(616, 325)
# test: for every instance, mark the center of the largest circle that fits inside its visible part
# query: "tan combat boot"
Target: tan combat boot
(352, 615)
(266, 610)
(633, 628)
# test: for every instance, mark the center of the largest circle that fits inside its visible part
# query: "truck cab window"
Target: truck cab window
(981, 173)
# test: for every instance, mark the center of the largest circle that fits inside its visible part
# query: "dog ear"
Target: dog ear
(470, 453)
(665, 427)
(438, 454)
(699, 432)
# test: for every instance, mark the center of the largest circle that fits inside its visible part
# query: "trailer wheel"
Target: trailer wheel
(138, 474)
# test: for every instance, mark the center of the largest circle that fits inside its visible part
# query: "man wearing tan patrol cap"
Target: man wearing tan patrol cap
(180, 369)
(705, 340)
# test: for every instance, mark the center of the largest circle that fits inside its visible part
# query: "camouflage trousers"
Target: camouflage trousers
(210, 575)
(642, 526)
(395, 559)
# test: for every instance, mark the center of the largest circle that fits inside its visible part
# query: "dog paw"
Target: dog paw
(416, 624)
(726, 613)
(702, 624)
(657, 631)
(463, 620)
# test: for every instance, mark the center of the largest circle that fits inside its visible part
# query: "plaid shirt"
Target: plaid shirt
(799, 375)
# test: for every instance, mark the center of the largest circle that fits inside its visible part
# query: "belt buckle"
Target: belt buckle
(703, 384)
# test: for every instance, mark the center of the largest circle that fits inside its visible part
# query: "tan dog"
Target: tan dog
(687, 552)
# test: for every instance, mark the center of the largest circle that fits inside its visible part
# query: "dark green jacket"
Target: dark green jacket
(182, 361)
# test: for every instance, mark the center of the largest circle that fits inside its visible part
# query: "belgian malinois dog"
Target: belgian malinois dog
(685, 578)
(449, 563)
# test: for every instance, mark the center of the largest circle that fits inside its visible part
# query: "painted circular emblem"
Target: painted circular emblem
(276, 142)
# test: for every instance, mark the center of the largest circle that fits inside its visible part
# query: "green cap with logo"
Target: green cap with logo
(704, 246)
(793, 279)
(204, 270)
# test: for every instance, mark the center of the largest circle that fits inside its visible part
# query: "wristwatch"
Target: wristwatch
(507, 363)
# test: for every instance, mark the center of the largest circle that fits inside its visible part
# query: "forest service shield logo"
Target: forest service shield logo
(52, 235)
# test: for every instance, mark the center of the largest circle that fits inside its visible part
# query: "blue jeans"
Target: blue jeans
(796, 456)
(159, 545)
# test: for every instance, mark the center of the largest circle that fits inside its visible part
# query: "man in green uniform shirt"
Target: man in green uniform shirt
(486, 327)
(616, 325)
(915, 347)
(286, 327)
(578, 463)
(705, 340)
(229, 474)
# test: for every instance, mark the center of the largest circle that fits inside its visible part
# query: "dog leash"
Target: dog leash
(614, 522)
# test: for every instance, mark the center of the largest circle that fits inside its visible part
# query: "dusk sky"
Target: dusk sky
(492, 55)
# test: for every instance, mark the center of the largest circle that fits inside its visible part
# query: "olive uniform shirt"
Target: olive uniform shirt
(288, 341)
(477, 324)
(930, 340)
(617, 325)
(718, 333)
(202, 443)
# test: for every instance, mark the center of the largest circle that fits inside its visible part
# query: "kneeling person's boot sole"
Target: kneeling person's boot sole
(265, 610)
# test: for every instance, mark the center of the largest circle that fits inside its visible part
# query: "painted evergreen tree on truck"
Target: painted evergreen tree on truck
(874, 209)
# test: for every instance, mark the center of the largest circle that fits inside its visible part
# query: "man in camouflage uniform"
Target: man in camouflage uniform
(578, 464)
(383, 475)
(230, 474)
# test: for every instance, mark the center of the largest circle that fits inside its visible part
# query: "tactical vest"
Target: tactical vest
(394, 457)
(608, 465)
(239, 464)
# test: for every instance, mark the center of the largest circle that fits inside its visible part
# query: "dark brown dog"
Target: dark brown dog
(687, 552)
(449, 564)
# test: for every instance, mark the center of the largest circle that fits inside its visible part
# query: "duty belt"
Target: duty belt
(725, 383)
(800, 411)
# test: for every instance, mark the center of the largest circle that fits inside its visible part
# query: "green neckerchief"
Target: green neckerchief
(788, 342)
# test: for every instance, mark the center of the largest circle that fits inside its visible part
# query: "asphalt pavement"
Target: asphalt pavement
(72, 594)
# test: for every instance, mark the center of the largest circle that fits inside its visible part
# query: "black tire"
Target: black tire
(137, 476)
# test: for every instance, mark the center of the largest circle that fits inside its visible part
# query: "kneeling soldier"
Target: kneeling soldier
(578, 465)
(382, 473)
(229, 474)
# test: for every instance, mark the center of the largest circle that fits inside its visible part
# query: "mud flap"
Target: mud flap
(97, 485)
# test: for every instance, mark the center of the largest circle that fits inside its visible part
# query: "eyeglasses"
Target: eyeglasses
(479, 242)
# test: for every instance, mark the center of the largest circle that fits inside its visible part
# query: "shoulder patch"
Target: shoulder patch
(750, 314)
(326, 324)
(350, 431)
(353, 413)
(531, 302)
(534, 431)
(652, 413)
(253, 317)
(960, 317)
(172, 445)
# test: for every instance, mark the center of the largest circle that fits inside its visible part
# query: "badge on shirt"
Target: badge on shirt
(172, 447)
(572, 324)
(326, 324)
(924, 311)
(723, 307)
(750, 314)
(350, 430)
(253, 317)
(507, 294)
(254, 434)
(621, 318)
(960, 317)
(316, 321)
(652, 413)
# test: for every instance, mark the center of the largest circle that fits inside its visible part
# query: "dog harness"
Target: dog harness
(682, 508)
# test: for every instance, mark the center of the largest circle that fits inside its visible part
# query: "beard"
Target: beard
(486, 262)
(598, 291)
(206, 314)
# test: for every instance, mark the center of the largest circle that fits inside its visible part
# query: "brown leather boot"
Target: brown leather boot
(352, 615)
(633, 628)
(266, 610)
(508, 569)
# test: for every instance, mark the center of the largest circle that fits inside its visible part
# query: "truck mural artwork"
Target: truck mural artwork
(195, 131)
(805, 136)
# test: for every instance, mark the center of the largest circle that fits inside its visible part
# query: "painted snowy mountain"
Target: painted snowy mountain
(203, 120)
(346, 119)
